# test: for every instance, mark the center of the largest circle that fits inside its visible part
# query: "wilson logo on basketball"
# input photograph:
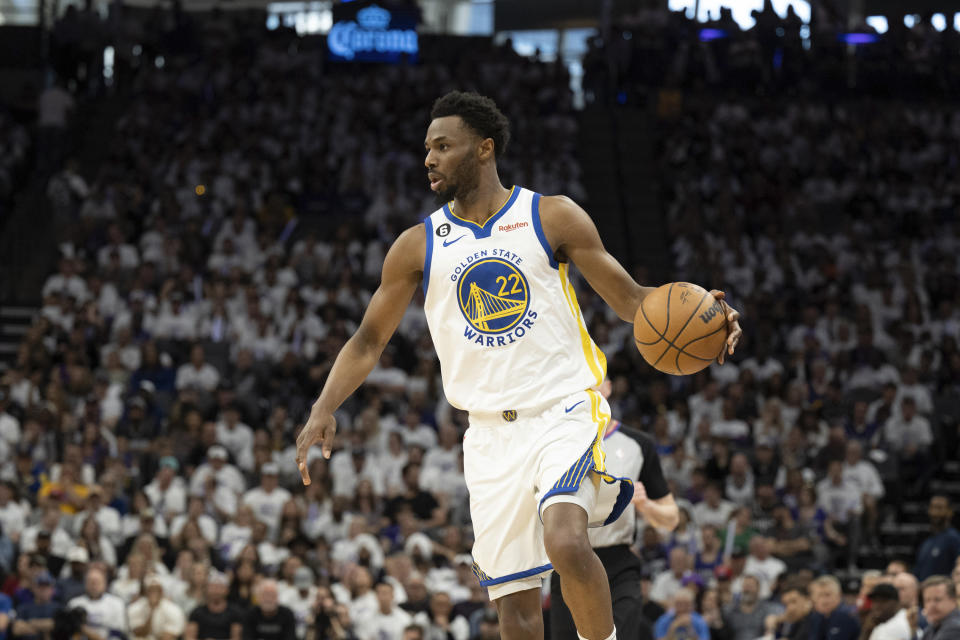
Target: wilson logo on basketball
(708, 315)
(511, 227)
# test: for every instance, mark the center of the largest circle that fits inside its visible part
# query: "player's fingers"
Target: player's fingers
(719, 295)
(734, 337)
(327, 441)
(304, 472)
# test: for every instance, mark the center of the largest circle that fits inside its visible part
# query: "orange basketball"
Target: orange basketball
(680, 328)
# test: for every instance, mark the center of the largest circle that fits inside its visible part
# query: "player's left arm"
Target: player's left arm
(573, 236)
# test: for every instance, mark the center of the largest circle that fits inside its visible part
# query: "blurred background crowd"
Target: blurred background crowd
(223, 248)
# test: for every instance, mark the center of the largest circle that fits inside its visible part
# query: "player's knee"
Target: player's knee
(518, 622)
(566, 547)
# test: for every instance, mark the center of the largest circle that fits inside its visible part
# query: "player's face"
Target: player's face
(452, 158)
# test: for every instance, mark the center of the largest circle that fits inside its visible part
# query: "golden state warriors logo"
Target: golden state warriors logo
(494, 295)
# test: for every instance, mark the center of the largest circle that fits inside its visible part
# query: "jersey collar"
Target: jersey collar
(484, 230)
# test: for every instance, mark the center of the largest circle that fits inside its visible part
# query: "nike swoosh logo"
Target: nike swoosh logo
(571, 408)
(447, 243)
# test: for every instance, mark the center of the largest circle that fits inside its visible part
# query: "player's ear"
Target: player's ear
(486, 149)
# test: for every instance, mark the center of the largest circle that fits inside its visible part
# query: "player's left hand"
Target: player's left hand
(733, 325)
(640, 499)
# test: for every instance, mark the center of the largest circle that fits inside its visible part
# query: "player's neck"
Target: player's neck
(481, 203)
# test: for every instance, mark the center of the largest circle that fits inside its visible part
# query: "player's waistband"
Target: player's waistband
(504, 417)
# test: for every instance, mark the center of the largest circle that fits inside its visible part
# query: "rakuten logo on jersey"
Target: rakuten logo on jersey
(511, 227)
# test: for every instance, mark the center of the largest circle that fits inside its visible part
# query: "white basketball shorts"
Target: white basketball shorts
(516, 463)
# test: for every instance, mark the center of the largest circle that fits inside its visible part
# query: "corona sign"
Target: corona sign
(372, 34)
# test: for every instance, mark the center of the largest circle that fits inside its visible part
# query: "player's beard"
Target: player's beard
(461, 181)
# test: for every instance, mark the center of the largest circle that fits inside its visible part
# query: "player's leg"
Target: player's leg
(561, 622)
(520, 615)
(583, 579)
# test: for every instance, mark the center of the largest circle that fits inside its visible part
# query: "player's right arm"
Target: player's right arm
(402, 273)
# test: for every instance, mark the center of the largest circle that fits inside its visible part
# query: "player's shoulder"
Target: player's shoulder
(408, 251)
(564, 219)
(412, 236)
(559, 205)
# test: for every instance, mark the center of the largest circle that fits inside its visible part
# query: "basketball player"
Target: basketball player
(631, 454)
(514, 353)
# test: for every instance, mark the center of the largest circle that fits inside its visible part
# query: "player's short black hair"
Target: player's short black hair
(478, 112)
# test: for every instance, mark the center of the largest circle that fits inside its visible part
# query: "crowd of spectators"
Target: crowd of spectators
(830, 222)
(205, 287)
(655, 47)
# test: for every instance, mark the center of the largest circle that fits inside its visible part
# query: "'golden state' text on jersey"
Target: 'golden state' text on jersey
(502, 313)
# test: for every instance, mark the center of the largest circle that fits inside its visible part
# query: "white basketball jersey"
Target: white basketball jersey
(502, 313)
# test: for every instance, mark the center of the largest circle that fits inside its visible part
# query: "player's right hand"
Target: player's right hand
(321, 428)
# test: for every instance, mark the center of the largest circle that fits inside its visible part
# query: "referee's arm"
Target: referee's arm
(651, 494)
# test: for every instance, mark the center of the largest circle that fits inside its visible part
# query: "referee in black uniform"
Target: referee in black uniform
(631, 454)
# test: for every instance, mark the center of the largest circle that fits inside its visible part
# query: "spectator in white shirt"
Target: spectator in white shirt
(227, 258)
(359, 547)
(66, 281)
(739, 486)
(106, 613)
(168, 492)
(909, 433)
(361, 598)
(300, 599)
(122, 345)
(196, 512)
(240, 229)
(765, 567)
(127, 254)
(669, 582)
(234, 536)
(349, 466)
(841, 501)
(197, 373)
(386, 377)
(388, 621)
(50, 524)
(9, 425)
(713, 509)
(415, 432)
(441, 622)
(909, 387)
(729, 427)
(887, 619)
(863, 475)
(13, 514)
(706, 403)
(226, 475)
(153, 616)
(175, 321)
(236, 436)
(441, 460)
(268, 499)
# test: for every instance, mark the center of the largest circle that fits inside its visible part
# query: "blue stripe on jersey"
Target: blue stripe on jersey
(535, 214)
(428, 226)
(489, 582)
(570, 481)
(624, 498)
(486, 229)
